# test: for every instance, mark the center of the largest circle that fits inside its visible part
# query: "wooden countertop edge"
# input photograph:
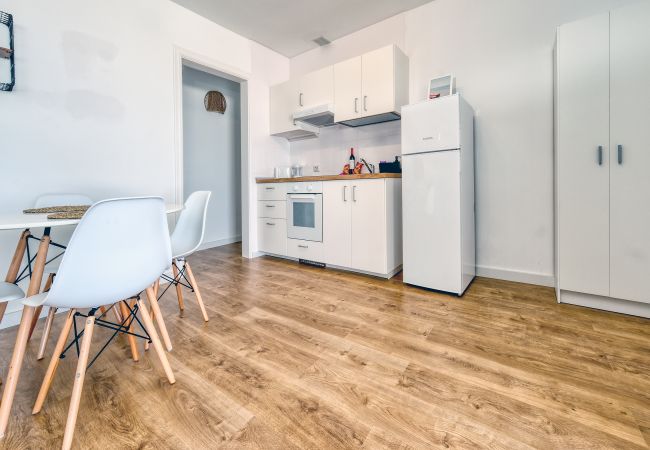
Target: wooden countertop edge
(362, 176)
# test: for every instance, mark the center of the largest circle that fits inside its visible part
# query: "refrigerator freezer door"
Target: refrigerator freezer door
(431, 125)
(431, 220)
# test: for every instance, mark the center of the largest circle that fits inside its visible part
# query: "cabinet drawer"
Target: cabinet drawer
(272, 191)
(310, 250)
(275, 209)
(272, 235)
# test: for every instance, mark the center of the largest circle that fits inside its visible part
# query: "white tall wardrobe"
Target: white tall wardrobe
(602, 109)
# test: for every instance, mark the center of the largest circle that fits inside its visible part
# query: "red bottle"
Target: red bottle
(353, 160)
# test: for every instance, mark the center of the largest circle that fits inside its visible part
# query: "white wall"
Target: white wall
(501, 53)
(211, 154)
(92, 110)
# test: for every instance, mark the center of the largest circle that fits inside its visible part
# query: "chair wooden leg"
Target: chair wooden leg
(15, 365)
(21, 337)
(132, 343)
(179, 290)
(54, 363)
(153, 301)
(195, 286)
(118, 312)
(14, 266)
(157, 345)
(37, 313)
(46, 332)
(78, 383)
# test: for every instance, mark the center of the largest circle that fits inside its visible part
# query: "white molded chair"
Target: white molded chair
(44, 201)
(186, 239)
(118, 250)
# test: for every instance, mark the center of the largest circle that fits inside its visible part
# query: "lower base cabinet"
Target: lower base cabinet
(309, 250)
(362, 227)
(272, 236)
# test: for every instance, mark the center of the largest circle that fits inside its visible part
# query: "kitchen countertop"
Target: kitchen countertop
(362, 176)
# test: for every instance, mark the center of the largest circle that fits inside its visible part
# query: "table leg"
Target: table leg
(23, 333)
(14, 267)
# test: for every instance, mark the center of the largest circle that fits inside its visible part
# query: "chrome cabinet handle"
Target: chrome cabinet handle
(365, 103)
(300, 99)
(270, 188)
(345, 193)
(354, 193)
(303, 246)
(270, 206)
(271, 224)
(620, 154)
(600, 155)
(356, 104)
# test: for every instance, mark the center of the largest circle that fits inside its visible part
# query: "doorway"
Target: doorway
(212, 150)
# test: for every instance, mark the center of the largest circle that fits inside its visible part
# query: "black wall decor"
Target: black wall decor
(8, 53)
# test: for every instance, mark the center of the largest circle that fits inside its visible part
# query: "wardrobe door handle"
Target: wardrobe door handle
(620, 154)
(345, 193)
(300, 99)
(365, 103)
(356, 104)
(354, 193)
(600, 155)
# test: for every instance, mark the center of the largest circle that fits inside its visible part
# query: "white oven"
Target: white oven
(305, 211)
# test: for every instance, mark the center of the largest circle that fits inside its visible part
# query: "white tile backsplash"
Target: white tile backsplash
(331, 150)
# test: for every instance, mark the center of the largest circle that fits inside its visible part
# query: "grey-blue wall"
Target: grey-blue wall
(211, 153)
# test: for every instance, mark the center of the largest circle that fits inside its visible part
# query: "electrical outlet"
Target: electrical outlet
(316, 169)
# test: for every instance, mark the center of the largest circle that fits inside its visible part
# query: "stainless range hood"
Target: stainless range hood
(318, 116)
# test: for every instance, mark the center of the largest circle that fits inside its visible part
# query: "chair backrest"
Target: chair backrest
(120, 247)
(62, 200)
(189, 231)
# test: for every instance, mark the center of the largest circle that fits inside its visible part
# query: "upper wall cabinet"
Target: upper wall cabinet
(316, 88)
(371, 88)
(368, 89)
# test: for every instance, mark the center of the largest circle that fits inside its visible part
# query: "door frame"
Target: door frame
(184, 57)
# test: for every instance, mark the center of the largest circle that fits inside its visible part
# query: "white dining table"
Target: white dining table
(26, 222)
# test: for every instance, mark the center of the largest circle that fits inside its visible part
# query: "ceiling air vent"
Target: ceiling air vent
(321, 41)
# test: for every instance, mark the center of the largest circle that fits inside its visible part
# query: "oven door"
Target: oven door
(305, 217)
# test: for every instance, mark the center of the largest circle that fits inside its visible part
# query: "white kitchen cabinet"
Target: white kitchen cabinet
(372, 85)
(283, 103)
(630, 152)
(362, 225)
(602, 142)
(347, 89)
(337, 227)
(316, 88)
(272, 191)
(583, 217)
(272, 235)
(309, 250)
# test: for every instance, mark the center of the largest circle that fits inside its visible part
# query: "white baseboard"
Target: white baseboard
(540, 279)
(220, 242)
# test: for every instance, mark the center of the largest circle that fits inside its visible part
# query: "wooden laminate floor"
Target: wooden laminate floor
(299, 357)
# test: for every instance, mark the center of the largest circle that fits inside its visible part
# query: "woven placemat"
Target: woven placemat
(67, 215)
(58, 209)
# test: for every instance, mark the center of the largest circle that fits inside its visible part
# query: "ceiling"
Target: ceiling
(289, 26)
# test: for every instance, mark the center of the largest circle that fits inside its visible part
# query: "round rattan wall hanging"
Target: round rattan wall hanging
(214, 101)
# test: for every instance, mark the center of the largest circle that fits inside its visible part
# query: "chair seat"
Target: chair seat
(35, 300)
(9, 292)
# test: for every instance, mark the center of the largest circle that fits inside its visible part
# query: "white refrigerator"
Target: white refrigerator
(438, 194)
